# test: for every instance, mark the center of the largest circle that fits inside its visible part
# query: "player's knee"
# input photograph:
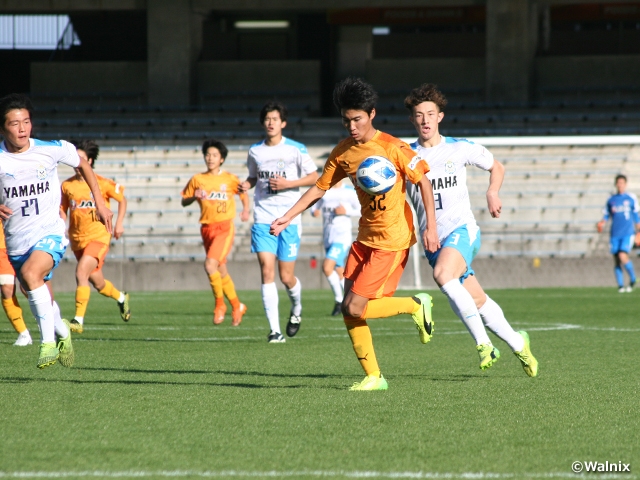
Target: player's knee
(442, 275)
(327, 270)
(31, 278)
(349, 309)
(7, 290)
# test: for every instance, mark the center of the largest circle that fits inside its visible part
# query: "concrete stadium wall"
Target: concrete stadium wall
(491, 272)
(608, 71)
(88, 77)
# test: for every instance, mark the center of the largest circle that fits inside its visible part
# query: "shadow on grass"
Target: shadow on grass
(215, 372)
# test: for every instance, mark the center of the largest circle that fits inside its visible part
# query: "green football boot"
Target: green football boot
(370, 382)
(49, 353)
(67, 356)
(422, 318)
(488, 355)
(529, 362)
(125, 311)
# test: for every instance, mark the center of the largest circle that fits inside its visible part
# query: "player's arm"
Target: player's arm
(310, 197)
(105, 215)
(430, 235)
(191, 193)
(280, 183)
(122, 210)
(600, 225)
(244, 215)
(248, 184)
(493, 192)
(64, 205)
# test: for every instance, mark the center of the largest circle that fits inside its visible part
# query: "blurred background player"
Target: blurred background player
(89, 238)
(379, 255)
(214, 191)
(278, 167)
(30, 210)
(9, 299)
(622, 209)
(458, 232)
(337, 207)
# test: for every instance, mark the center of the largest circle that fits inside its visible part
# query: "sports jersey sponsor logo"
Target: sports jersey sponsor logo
(625, 207)
(217, 196)
(26, 190)
(450, 167)
(442, 183)
(41, 172)
(267, 175)
(414, 161)
(84, 204)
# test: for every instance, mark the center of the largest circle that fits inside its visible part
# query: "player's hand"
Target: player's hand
(637, 241)
(495, 204)
(244, 215)
(5, 212)
(278, 183)
(244, 187)
(340, 210)
(600, 226)
(105, 215)
(200, 194)
(278, 225)
(430, 240)
(118, 230)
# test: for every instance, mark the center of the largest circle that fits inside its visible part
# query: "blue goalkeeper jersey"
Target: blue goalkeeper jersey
(623, 211)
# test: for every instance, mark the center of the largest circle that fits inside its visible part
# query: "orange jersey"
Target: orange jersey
(77, 199)
(3, 242)
(386, 222)
(219, 204)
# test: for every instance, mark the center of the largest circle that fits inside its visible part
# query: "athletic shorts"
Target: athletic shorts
(7, 273)
(461, 241)
(285, 246)
(218, 239)
(621, 244)
(97, 250)
(375, 273)
(54, 245)
(338, 253)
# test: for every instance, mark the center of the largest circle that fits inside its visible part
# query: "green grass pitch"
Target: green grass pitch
(170, 395)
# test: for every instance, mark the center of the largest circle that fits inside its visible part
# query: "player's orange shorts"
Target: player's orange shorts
(375, 273)
(97, 250)
(218, 239)
(5, 264)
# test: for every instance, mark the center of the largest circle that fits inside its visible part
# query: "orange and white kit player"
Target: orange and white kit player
(89, 238)
(9, 299)
(214, 191)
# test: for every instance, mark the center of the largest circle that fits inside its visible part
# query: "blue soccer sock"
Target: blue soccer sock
(619, 278)
(632, 274)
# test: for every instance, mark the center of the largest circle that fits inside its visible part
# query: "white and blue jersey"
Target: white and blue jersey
(288, 159)
(30, 188)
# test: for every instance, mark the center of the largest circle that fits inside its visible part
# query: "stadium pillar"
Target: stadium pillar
(511, 44)
(355, 45)
(172, 34)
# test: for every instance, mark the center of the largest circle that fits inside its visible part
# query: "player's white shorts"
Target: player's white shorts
(285, 246)
(461, 241)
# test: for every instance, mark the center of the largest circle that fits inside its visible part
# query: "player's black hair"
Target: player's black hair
(620, 176)
(224, 151)
(89, 147)
(354, 94)
(274, 106)
(427, 92)
(14, 101)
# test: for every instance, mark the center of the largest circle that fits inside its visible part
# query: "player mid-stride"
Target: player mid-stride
(378, 256)
(458, 232)
(89, 238)
(10, 303)
(622, 209)
(30, 210)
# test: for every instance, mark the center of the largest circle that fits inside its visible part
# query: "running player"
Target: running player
(337, 207)
(214, 191)
(458, 232)
(9, 299)
(90, 239)
(278, 167)
(378, 256)
(622, 209)
(29, 208)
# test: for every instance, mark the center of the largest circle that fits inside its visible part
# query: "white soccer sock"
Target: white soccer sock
(466, 309)
(336, 285)
(80, 320)
(42, 310)
(61, 328)
(295, 295)
(493, 317)
(342, 283)
(270, 303)
(121, 298)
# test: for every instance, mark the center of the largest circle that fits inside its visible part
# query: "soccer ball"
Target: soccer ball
(376, 175)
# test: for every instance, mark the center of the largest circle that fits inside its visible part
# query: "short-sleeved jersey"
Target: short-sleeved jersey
(3, 242)
(386, 222)
(288, 159)
(30, 187)
(77, 200)
(337, 228)
(448, 176)
(623, 211)
(219, 204)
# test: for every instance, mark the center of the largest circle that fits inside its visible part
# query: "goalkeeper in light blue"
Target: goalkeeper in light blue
(622, 209)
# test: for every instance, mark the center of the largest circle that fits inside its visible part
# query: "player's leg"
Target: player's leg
(626, 262)
(266, 246)
(215, 280)
(288, 245)
(13, 310)
(219, 245)
(332, 267)
(86, 265)
(238, 309)
(614, 244)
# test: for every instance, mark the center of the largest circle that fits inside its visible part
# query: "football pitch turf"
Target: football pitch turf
(170, 395)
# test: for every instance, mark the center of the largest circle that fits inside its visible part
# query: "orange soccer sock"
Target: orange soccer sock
(82, 300)
(14, 313)
(110, 291)
(389, 306)
(216, 286)
(229, 290)
(362, 341)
